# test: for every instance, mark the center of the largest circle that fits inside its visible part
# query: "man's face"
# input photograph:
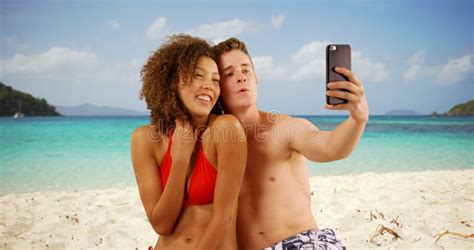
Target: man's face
(238, 81)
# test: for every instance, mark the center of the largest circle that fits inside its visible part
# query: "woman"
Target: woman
(189, 164)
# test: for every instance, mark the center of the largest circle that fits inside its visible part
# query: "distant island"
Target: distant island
(14, 103)
(403, 112)
(462, 109)
(88, 109)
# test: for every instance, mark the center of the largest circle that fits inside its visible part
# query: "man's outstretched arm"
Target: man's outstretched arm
(325, 146)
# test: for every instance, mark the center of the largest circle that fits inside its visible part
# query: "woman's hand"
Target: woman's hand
(184, 141)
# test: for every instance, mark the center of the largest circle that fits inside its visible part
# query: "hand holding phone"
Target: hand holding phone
(337, 55)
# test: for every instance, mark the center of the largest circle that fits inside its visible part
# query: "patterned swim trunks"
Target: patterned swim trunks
(310, 240)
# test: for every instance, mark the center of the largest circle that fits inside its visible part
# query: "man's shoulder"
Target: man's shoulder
(283, 121)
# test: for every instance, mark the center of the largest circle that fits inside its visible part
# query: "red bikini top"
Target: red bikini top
(203, 177)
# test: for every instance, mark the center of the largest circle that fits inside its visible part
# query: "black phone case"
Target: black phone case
(341, 57)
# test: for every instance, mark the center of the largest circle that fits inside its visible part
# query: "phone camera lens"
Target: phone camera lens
(332, 47)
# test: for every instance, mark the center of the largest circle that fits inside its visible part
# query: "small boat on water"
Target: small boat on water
(18, 115)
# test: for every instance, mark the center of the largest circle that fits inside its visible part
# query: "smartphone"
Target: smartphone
(337, 55)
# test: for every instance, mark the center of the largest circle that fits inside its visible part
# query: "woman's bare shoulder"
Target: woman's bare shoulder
(147, 143)
(226, 120)
(147, 135)
(225, 128)
(141, 130)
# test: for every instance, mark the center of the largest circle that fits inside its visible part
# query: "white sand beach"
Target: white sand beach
(416, 206)
(375, 211)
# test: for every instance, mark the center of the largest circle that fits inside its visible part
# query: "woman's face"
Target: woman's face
(201, 93)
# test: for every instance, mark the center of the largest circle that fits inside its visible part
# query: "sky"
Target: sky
(413, 55)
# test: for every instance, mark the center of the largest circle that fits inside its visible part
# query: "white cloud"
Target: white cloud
(413, 72)
(418, 57)
(308, 63)
(71, 67)
(120, 72)
(157, 29)
(416, 68)
(265, 68)
(311, 70)
(313, 50)
(220, 31)
(55, 61)
(455, 70)
(277, 21)
(114, 24)
(216, 32)
(368, 70)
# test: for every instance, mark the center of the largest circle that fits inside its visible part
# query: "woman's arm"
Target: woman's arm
(231, 147)
(162, 207)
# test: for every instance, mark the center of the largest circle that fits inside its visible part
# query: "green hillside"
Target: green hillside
(462, 109)
(12, 101)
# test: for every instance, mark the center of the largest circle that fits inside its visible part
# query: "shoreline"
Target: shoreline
(413, 205)
(122, 185)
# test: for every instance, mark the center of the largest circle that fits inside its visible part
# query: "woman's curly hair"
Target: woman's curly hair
(174, 62)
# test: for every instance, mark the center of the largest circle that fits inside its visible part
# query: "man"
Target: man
(275, 201)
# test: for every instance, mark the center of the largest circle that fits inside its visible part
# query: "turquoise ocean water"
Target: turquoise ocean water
(74, 153)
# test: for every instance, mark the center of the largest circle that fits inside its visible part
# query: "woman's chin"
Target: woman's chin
(200, 113)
